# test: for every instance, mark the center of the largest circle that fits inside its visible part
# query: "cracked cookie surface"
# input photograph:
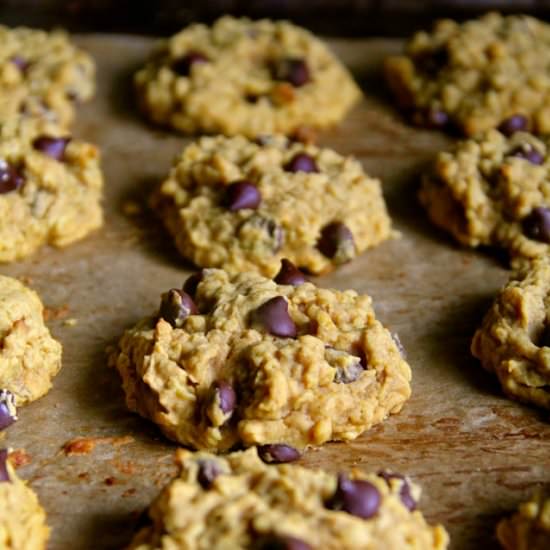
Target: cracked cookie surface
(494, 191)
(476, 75)
(42, 74)
(29, 356)
(238, 502)
(243, 205)
(50, 193)
(244, 77)
(242, 360)
(513, 340)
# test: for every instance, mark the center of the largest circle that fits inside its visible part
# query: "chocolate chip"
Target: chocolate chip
(436, 118)
(11, 178)
(400, 347)
(348, 367)
(4, 475)
(208, 472)
(404, 492)
(192, 282)
(51, 146)
(274, 318)
(291, 69)
(278, 453)
(336, 242)
(8, 413)
(183, 66)
(289, 274)
(359, 498)
(301, 162)
(175, 306)
(537, 224)
(226, 396)
(513, 124)
(20, 62)
(349, 374)
(528, 153)
(242, 194)
(281, 542)
(261, 233)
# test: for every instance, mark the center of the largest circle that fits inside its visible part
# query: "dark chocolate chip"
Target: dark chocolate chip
(208, 472)
(225, 395)
(301, 162)
(537, 224)
(175, 306)
(192, 282)
(437, 118)
(289, 274)
(274, 318)
(51, 146)
(291, 69)
(358, 497)
(20, 62)
(183, 66)
(261, 233)
(278, 453)
(405, 492)
(400, 347)
(11, 178)
(349, 374)
(336, 242)
(513, 124)
(529, 153)
(242, 194)
(4, 476)
(8, 414)
(281, 542)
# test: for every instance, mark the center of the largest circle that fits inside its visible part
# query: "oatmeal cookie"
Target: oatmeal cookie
(475, 76)
(29, 356)
(244, 77)
(244, 205)
(239, 502)
(495, 191)
(514, 339)
(241, 359)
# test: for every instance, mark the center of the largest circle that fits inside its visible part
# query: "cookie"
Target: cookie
(22, 519)
(244, 77)
(238, 501)
(475, 76)
(42, 75)
(29, 357)
(529, 527)
(244, 205)
(50, 193)
(493, 191)
(514, 338)
(240, 359)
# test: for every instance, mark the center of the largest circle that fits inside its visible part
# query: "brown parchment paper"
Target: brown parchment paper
(475, 453)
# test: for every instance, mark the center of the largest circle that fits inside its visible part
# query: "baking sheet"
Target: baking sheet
(475, 453)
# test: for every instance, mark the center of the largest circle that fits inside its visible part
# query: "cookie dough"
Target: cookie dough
(494, 190)
(22, 519)
(244, 77)
(42, 75)
(50, 193)
(514, 338)
(529, 527)
(29, 356)
(239, 502)
(244, 205)
(241, 359)
(478, 75)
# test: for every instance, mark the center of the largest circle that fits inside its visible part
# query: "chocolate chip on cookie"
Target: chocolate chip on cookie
(8, 412)
(302, 162)
(175, 306)
(513, 124)
(529, 153)
(293, 70)
(356, 497)
(336, 242)
(289, 274)
(537, 224)
(183, 65)
(273, 317)
(242, 194)
(405, 490)
(11, 177)
(278, 453)
(51, 146)
(20, 62)
(208, 471)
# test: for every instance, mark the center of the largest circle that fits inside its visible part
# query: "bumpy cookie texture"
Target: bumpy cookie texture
(50, 193)
(261, 364)
(477, 75)
(41, 76)
(29, 356)
(494, 190)
(239, 502)
(529, 527)
(244, 77)
(244, 205)
(22, 519)
(514, 338)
